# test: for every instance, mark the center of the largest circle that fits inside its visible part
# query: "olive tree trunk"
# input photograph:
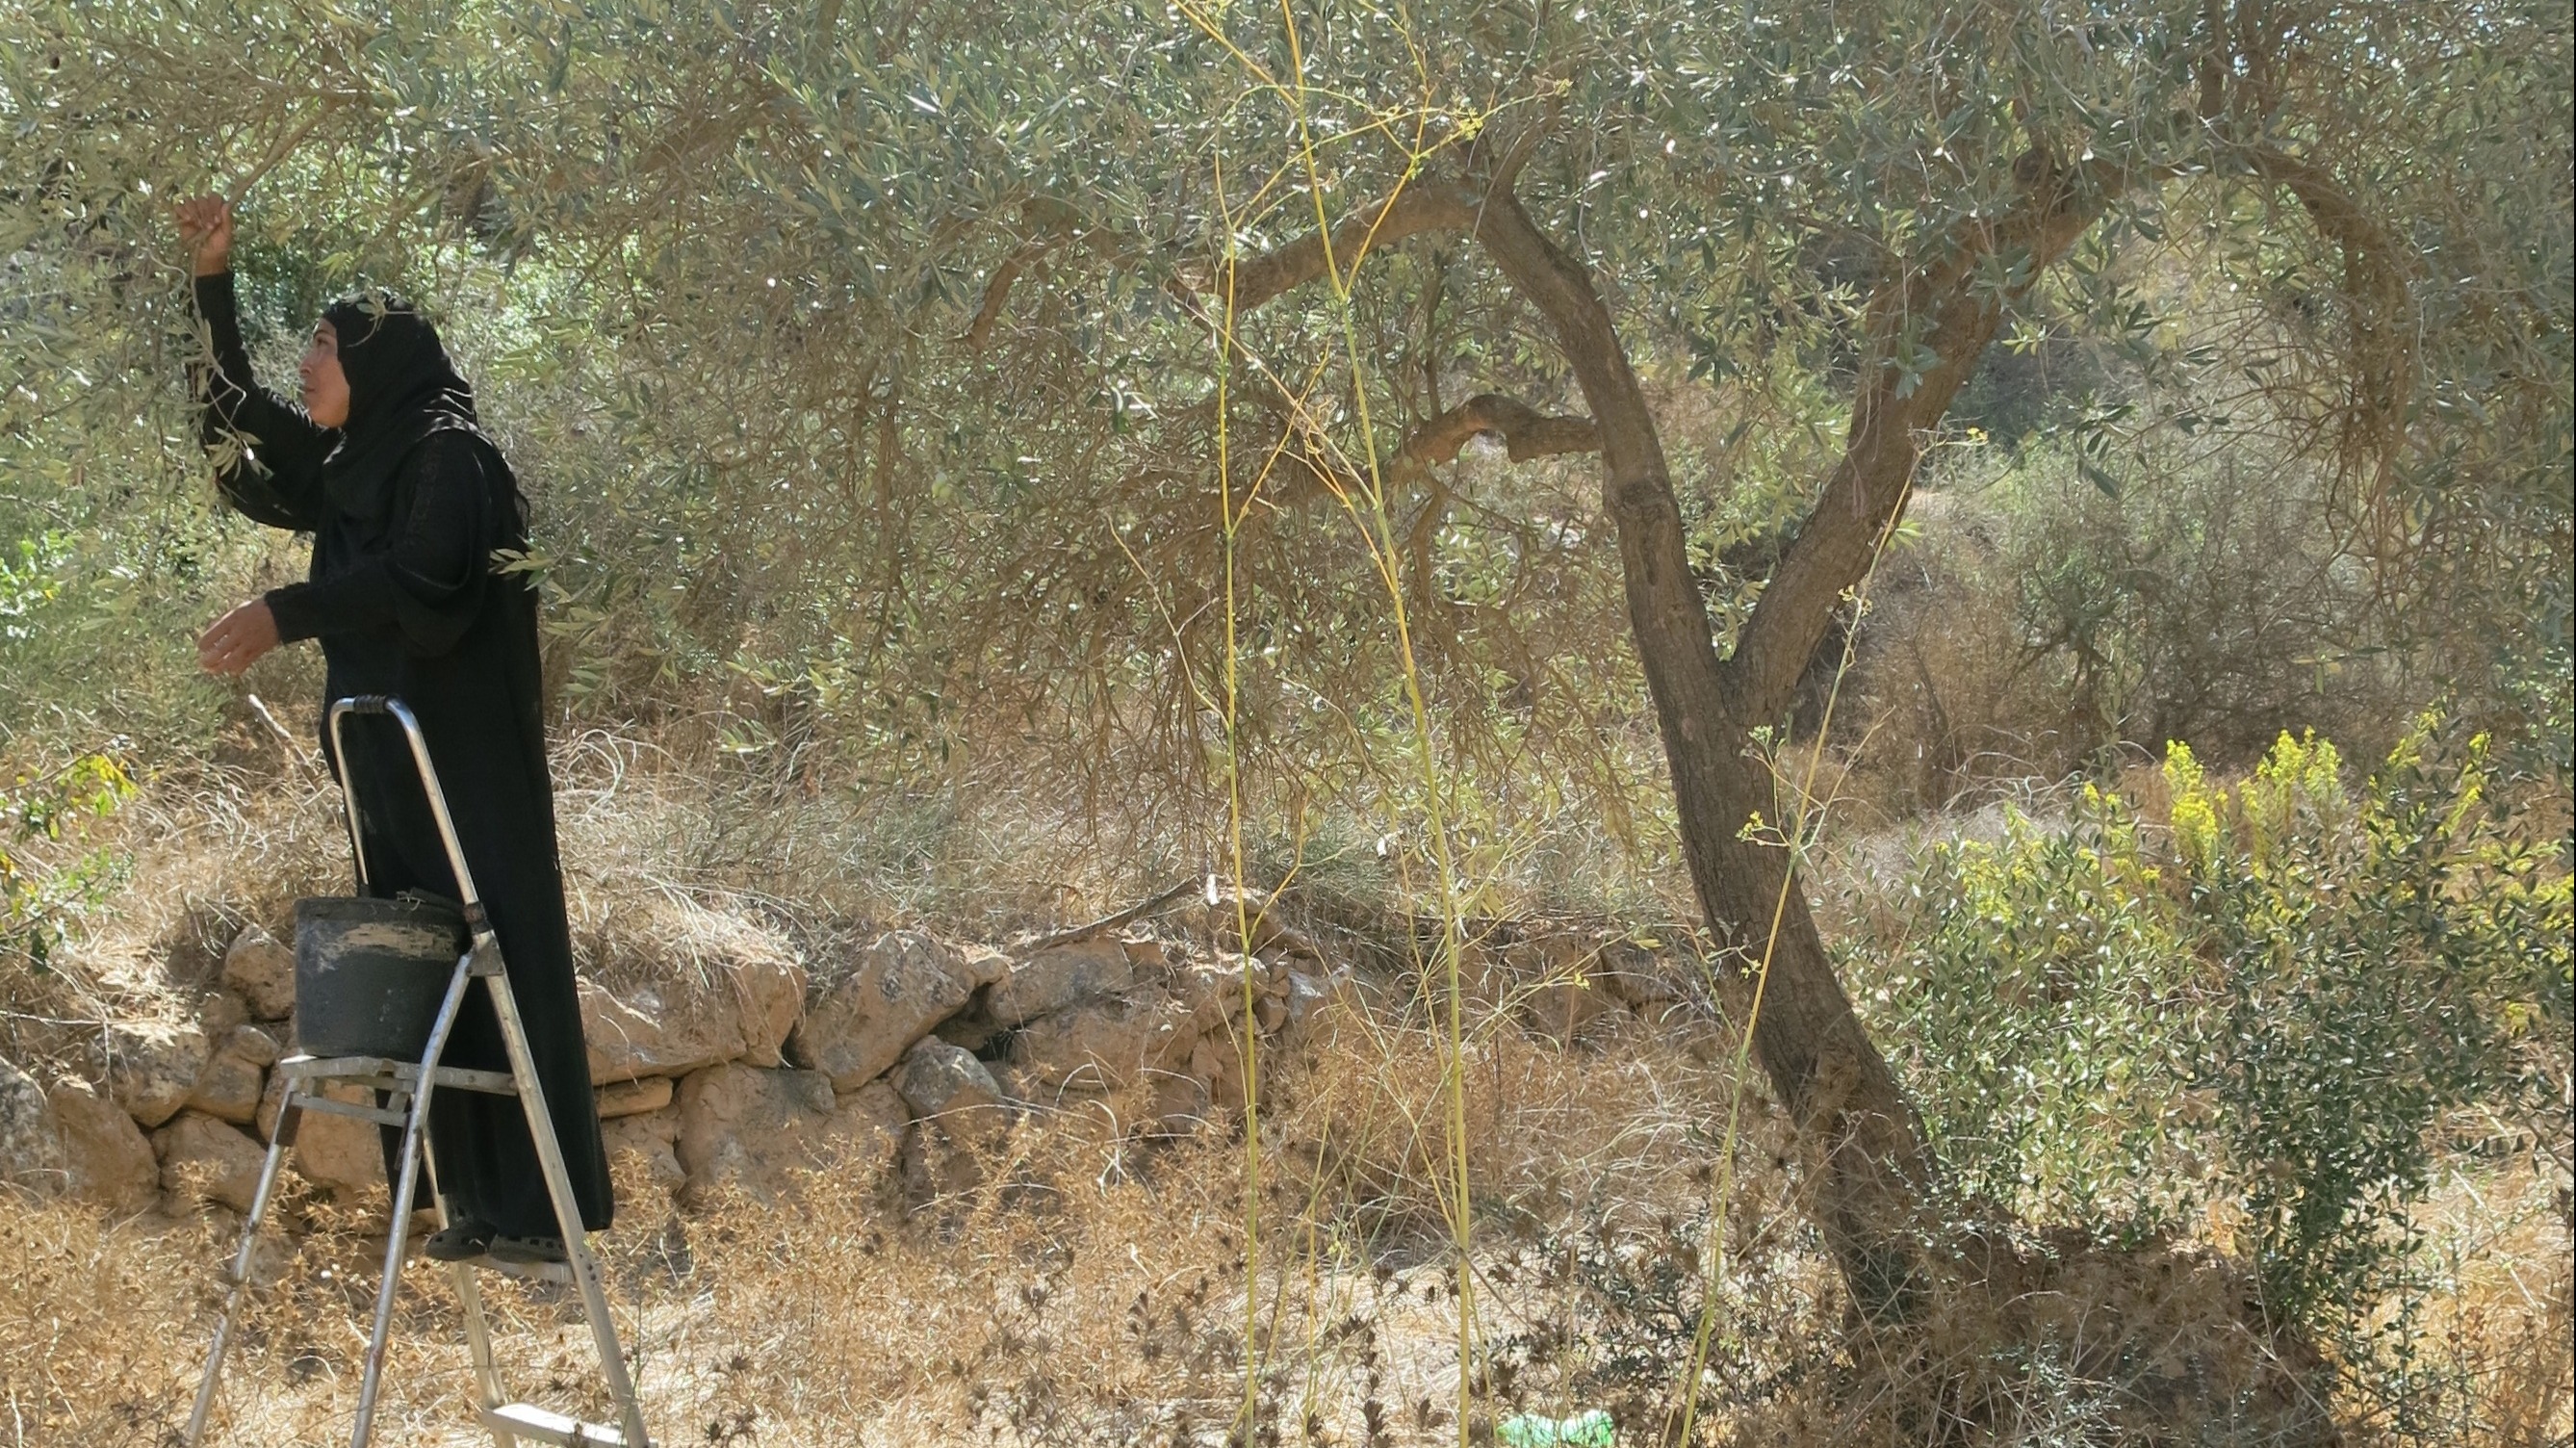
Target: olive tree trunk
(1874, 1174)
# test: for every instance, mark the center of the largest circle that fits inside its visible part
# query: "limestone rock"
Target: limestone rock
(773, 1001)
(1307, 993)
(1054, 979)
(339, 1152)
(939, 1079)
(1182, 1103)
(228, 1089)
(229, 1086)
(255, 1045)
(150, 1066)
(1633, 976)
(740, 1011)
(1104, 1044)
(868, 1129)
(648, 1138)
(1271, 932)
(633, 1098)
(271, 1097)
(756, 1130)
(1212, 990)
(31, 1143)
(960, 1112)
(219, 1012)
(1564, 1011)
(109, 1158)
(261, 970)
(906, 983)
(206, 1160)
(1558, 979)
(1217, 1059)
(984, 965)
(674, 988)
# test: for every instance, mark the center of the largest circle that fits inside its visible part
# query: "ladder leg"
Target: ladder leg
(585, 1268)
(238, 1277)
(371, 1379)
(478, 1329)
(532, 1096)
(478, 1342)
(407, 1179)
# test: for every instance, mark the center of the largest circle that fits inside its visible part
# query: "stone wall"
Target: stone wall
(725, 1063)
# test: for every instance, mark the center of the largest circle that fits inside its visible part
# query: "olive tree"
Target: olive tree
(918, 361)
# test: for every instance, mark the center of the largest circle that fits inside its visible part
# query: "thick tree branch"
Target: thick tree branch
(1047, 224)
(1526, 432)
(1419, 207)
(2375, 269)
(997, 291)
(1949, 309)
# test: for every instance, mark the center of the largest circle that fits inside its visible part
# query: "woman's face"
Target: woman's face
(326, 387)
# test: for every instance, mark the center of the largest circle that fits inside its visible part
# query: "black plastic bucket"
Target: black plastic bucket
(370, 974)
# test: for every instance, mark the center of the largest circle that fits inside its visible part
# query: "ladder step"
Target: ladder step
(376, 1114)
(557, 1272)
(526, 1420)
(386, 1074)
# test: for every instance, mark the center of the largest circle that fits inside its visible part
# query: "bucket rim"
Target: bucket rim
(332, 909)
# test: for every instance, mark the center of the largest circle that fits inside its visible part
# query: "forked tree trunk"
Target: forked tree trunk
(1874, 1174)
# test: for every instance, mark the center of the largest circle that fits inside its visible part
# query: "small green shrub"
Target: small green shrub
(2261, 1014)
(46, 809)
(2386, 960)
(2038, 1002)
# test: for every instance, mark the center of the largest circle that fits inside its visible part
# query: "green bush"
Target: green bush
(46, 874)
(2258, 1016)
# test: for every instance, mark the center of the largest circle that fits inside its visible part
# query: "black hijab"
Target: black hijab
(402, 388)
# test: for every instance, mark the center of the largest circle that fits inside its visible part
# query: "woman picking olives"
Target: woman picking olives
(408, 502)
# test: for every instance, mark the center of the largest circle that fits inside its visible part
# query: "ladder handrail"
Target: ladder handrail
(400, 712)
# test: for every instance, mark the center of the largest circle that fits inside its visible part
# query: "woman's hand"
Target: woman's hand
(234, 642)
(206, 229)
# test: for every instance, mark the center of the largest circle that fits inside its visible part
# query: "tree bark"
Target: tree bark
(1874, 1174)
(1947, 306)
(1526, 432)
(1873, 1171)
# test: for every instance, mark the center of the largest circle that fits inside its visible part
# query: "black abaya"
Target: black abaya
(407, 507)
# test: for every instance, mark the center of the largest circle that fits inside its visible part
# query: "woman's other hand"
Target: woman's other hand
(206, 229)
(234, 642)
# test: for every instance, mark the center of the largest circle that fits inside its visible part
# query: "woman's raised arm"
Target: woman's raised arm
(274, 474)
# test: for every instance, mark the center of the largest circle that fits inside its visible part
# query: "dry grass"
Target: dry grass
(1100, 1288)
(2499, 1323)
(1094, 1292)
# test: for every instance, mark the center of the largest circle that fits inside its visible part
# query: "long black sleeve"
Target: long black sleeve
(429, 577)
(276, 478)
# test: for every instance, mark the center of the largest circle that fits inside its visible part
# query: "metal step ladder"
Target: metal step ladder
(405, 1089)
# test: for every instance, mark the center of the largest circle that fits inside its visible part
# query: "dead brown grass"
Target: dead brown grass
(1100, 1288)
(1094, 1291)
